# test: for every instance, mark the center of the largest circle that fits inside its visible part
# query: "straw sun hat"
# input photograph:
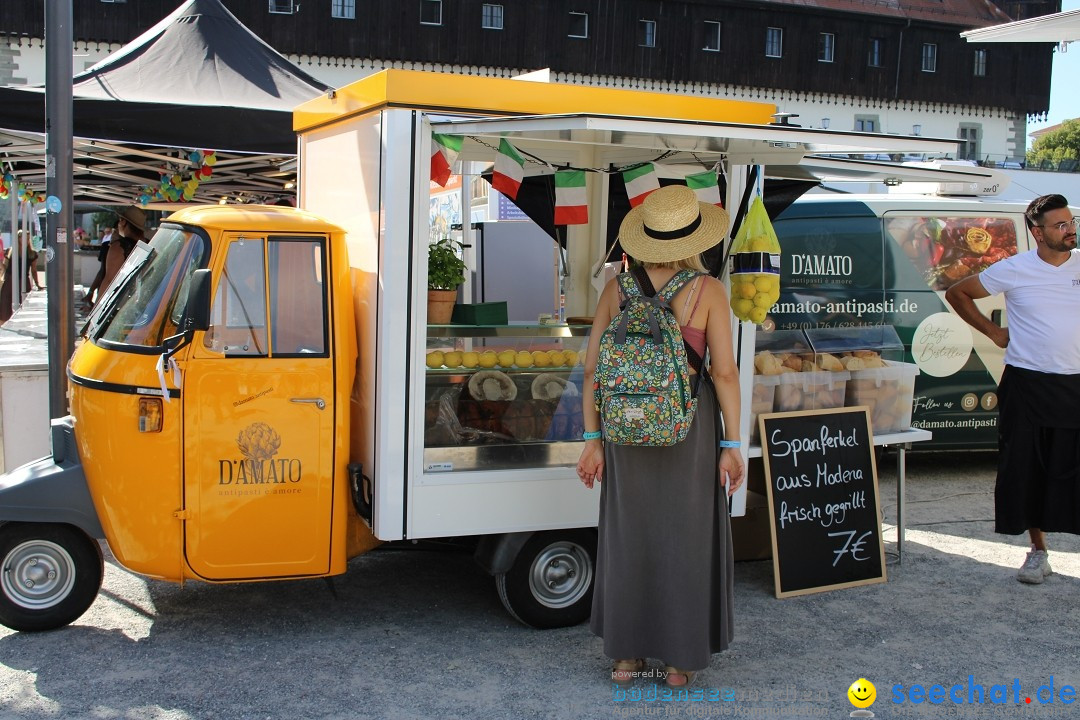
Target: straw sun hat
(672, 224)
(135, 216)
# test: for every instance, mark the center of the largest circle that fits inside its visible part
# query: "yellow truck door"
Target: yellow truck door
(259, 415)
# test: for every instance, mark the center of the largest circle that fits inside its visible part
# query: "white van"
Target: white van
(851, 260)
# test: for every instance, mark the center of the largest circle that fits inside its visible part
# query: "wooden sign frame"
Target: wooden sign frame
(862, 436)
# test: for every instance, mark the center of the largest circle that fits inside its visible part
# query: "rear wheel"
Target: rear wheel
(49, 575)
(550, 584)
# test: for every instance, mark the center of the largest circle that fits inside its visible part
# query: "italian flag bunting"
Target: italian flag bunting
(640, 181)
(509, 170)
(707, 187)
(571, 207)
(444, 151)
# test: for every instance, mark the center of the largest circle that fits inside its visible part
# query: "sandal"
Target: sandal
(686, 676)
(624, 672)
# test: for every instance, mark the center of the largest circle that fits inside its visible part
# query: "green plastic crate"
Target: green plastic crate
(489, 313)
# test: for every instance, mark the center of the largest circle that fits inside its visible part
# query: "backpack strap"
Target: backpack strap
(631, 289)
(671, 288)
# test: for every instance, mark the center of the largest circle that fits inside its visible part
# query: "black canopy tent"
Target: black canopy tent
(199, 79)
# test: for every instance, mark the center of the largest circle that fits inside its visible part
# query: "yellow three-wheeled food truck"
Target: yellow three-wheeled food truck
(256, 399)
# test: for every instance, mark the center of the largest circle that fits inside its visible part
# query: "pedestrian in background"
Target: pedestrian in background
(1038, 480)
(664, 586)
(103, 251)
(130, 229)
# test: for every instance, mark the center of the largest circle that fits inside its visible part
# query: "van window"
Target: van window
(831, 272)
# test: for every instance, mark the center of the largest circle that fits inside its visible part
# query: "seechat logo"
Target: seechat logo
(862, 695)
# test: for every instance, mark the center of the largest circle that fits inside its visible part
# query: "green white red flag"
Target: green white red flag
(444, 152)
(707, 187)
(509, 170)
(640, 181)
(571, 204)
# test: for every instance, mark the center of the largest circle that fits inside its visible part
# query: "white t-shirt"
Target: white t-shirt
(1043, 304)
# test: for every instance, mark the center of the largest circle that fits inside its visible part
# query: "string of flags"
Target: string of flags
(571, 201)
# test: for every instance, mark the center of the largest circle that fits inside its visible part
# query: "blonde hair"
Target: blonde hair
(691, 263)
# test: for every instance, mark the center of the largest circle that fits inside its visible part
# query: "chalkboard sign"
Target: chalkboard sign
(823, 500)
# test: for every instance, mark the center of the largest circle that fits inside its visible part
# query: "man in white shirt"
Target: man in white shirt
(1038, 481)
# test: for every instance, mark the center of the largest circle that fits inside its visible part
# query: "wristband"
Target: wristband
(729, 444)
(594, 435)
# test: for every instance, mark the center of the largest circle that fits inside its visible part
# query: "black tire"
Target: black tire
(49, 575)
(551, 582)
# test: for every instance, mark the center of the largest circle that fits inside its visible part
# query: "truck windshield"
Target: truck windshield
(150, 293)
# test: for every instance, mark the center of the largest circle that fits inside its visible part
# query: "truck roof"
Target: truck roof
(253, 217)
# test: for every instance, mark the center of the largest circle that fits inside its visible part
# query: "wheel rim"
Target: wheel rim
(37, 575)
(561, 575)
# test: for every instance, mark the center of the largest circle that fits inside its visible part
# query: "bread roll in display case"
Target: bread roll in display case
(503, 396)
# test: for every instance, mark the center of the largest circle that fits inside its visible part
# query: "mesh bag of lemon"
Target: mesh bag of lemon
(755, 266)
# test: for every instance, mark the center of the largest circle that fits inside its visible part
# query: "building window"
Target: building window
(712, 36)
(282, 7)
(866, 123)
(929, 57)
(579, 25)
(646, 33)
(980, 63)
(124, 1)
(774, 42)
(874, 56)
(431, 12)
(491, 17)
(826, 46)
(969, 142)
(344, 9)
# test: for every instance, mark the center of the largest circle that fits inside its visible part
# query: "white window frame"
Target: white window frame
(874, 52)
(282, 7)
(980, 62)
(585, 15)
(970, 135)
(929, 57)
(343, 9)
(647, 33)
(826, 47)
(490, 14)
(774, 42)
(713, 29)
(432, 4)
(114, 1)
(867, 123)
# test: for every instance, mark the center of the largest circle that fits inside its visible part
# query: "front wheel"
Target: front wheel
(550, 584)
(49, 575)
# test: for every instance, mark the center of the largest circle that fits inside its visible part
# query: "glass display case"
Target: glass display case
(503, 396)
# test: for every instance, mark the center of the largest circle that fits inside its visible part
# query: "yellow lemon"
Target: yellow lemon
(434, 359)
(524, 359)
(558, 358)
(862, 693)
(744, 289)
(761, 300)
(767, 283)
(758, 315)
(506, 358)
(470, 359)
(488, 358)
(761, 243)
(541, 358)
(742, 307)
(571, 357)
(452, 359)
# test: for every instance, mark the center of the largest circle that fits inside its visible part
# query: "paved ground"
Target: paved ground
(421, 634)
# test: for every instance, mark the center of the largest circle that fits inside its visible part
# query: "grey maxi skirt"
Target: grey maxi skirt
(664, 580)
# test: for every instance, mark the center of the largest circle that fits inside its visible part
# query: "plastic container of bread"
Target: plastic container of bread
(761, 401)
(813, 390)
(888, 392)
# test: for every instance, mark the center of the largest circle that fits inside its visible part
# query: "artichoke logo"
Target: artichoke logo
(258, 442)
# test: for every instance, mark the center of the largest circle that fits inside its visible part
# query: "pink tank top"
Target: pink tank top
(695, 337)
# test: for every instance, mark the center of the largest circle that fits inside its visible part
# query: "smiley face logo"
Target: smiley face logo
(862, 693)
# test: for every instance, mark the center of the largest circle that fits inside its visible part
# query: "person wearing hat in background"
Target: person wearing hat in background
(103, 251)
(664, 585)
(130, 229)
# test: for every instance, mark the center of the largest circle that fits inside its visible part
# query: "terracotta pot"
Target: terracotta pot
(440, 306)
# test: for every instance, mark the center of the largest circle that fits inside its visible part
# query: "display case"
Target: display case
(503, 396)
(835, 367)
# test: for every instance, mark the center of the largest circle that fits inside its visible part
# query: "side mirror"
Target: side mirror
(198, 303)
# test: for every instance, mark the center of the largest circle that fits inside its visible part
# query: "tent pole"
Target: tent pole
(58, 189)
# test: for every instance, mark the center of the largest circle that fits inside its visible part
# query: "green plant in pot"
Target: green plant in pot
(446, 270)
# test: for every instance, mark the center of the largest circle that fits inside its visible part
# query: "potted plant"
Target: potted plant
(446, 270)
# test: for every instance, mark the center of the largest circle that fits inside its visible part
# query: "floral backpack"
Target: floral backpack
(642, 382)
